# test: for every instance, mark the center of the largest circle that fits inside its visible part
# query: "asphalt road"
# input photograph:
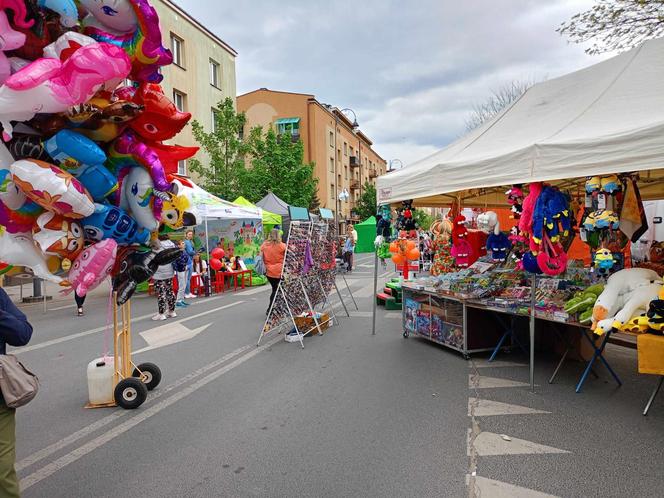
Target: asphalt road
(349, 415)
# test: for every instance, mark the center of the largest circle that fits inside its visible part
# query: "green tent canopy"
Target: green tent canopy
(366, 234)
(269, 219)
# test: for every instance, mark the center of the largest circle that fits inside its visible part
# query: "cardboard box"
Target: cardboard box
(304, 323)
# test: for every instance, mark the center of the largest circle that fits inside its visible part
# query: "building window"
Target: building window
(331, 165)
(182, 167)
(179, 99)
(339, 155)
(214, 74)
(346, 172)
(345, 149)
(331, 139)
(288, 126)
(352, 151)
(213, 119)
(332, 191)
(177, 48)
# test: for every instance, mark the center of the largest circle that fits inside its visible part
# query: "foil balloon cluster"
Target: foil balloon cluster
(404, 250)
(85, 178)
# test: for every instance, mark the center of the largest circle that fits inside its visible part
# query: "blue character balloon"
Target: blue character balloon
(110, 222)
(85, 160)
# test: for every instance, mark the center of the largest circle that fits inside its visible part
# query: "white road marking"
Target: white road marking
(492, 444)
(72, 438)
(491, 382)
(45, 344)
(488, 408)
(62, 307)
(499, 489)
(120, 429)
(168, 334)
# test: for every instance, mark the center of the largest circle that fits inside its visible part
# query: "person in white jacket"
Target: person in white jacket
(163, 284)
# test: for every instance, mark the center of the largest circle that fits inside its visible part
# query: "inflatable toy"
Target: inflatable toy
(52, 188)
(136, 266)
(137, 196)
(58, 236)
(84, 159)
(92, 267)
(132, 25)
(175, 214)
(18, 249)
(66, 9)
(17, 212)
(112, 222)
(48, 85)
(10, 39)
(128, 151)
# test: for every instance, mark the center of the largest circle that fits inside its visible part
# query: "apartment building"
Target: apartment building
(343, 155)
(202, 73)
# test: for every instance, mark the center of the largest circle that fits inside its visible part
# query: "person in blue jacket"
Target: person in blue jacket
(190, 250)
(15, 330)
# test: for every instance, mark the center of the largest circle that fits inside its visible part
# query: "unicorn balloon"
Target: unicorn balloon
(49, 85)
(10, 39)
(134, 26)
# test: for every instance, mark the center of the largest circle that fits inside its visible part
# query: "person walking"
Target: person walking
(349, 247)
(190, 250)
(181, 266)
(163, 285)
(273, 251)
(79, 304)
(15, 330)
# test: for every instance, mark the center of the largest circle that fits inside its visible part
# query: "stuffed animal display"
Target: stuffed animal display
(626, 292)
(499, 244)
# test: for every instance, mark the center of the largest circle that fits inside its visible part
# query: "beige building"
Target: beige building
(342, 153)
(203, 69)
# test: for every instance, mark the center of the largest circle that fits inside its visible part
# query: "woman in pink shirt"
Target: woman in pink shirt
(273, 251)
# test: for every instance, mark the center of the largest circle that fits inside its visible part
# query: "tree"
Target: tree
(366, 205)
(497, 101)
(616, 24)
(277, 165)
(315, 201)
(223, 174)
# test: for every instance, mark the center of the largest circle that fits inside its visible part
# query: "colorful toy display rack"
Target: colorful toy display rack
(307, 279)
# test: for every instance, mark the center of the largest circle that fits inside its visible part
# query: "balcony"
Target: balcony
(354, 162)
(295, 135)
(355, 184)
(373, 173)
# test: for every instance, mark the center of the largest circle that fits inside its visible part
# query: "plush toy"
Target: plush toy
(584, 300)
(526, 220)
(593, 184)
(626, 291)
(499, 245)
(601, 219)
(487, 221)
(459, 230)
(462, 253)
(515, 199)
(604, 260)
(551, 214)
(611, 184)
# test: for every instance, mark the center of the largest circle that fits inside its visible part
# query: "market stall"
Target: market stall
(565, 138)
(366, 233)
(238, 228)
(275, 205)
(270, 220)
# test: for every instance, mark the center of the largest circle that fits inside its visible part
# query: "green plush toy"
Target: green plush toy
(584, 300)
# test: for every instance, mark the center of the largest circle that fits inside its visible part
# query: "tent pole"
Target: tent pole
(375, 288)
(533, 290)
(207, 242)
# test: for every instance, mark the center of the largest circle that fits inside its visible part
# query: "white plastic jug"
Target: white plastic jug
(100, 381)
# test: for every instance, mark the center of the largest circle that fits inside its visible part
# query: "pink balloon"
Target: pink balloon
(92, 266)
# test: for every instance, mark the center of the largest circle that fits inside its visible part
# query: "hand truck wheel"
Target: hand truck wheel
(149, 374)
(130, 393)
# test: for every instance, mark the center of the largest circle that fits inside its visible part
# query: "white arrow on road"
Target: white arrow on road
(168, 334)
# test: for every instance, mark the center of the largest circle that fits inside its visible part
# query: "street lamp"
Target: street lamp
(392, 161)
(355, 127)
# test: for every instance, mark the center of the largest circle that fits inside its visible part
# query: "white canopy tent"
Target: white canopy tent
(603, 119)
(607, 118)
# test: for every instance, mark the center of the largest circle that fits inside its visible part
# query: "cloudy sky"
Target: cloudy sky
(411, 70)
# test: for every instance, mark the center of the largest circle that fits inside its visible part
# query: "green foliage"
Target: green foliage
(366, 206)
(616, 24)
(223, 174)
(277, 165)
(254, 165)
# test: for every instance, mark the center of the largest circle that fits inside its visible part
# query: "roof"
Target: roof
(200, 25)
(370, 221)
(269, 218)
(273, 204)
(606, 118)
(275, 91)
